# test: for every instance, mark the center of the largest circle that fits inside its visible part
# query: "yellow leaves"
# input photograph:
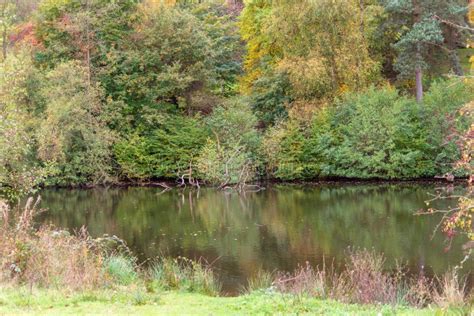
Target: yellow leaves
(470, 14)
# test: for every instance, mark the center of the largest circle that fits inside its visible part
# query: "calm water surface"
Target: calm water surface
(278, 228)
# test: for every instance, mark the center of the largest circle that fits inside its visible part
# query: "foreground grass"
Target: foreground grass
(131, 300)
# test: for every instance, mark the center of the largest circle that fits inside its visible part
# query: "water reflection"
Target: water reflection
(278, 228)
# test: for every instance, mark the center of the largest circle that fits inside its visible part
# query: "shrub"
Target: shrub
(283, 146)
(379, 134)
(230, 156)
(375, 134)
(365, 125)
(270, 97)
(163, 148)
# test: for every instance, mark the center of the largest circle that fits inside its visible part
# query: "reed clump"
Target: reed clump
(363, 280)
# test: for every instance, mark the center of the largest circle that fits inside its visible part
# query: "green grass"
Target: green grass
(133, 300)
(121, 269)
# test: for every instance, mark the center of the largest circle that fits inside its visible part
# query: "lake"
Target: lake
(278, 228)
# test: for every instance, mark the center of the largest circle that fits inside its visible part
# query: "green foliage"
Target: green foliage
(230, 154)
(375, 134)
(167, 59)
(162, 148)
(19, 170)
(271, 97)
(367, 126)
(184, 274)
(129, 89)
(227, 49)
(81, 29)
(426, 33)
(121, 269)
(73, 135)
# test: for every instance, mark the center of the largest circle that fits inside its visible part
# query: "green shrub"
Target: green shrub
(270, 97)
(73, 134)
(364, 128)
(375, 134)
(283, 147)
(121, 269)
(230, 155)
(162, 149)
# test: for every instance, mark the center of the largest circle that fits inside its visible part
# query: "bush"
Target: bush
(230, 155)
(380, 134)
(163, 148)
(283, 146)
(271, 97)
(375, 137)
(375, 134)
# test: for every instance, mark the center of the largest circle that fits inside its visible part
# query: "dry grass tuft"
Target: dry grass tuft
(364, 281)
(46, 256)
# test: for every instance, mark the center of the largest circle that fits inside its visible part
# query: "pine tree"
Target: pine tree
(426, 26)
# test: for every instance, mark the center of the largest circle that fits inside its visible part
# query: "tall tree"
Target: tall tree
(7, 19)
(324, 47)
(261, 49)
(426, 27)
(85, 30)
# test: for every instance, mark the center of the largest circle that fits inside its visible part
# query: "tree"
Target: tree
(20, 172)
(7, 20)
(219, 23)
(162, 64)
(73, 136)
(426, 27)
(325, 51)
(261, 49)
(84, 29)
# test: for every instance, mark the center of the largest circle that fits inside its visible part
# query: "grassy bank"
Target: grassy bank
(133, 300)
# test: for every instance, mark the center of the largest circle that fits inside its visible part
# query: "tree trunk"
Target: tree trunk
(451, 39)
(455, 63)
(418, 71)
(419, 84)
(4, 44)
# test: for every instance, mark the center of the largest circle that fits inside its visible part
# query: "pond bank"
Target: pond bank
(170, 184)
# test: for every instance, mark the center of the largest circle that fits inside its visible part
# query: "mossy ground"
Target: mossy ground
(134, 301)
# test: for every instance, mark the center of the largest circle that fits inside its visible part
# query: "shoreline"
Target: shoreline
(169, 184)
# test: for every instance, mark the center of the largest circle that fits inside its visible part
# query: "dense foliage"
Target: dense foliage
(226, 92)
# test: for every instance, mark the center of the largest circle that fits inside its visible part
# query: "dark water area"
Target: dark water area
(276, 229)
